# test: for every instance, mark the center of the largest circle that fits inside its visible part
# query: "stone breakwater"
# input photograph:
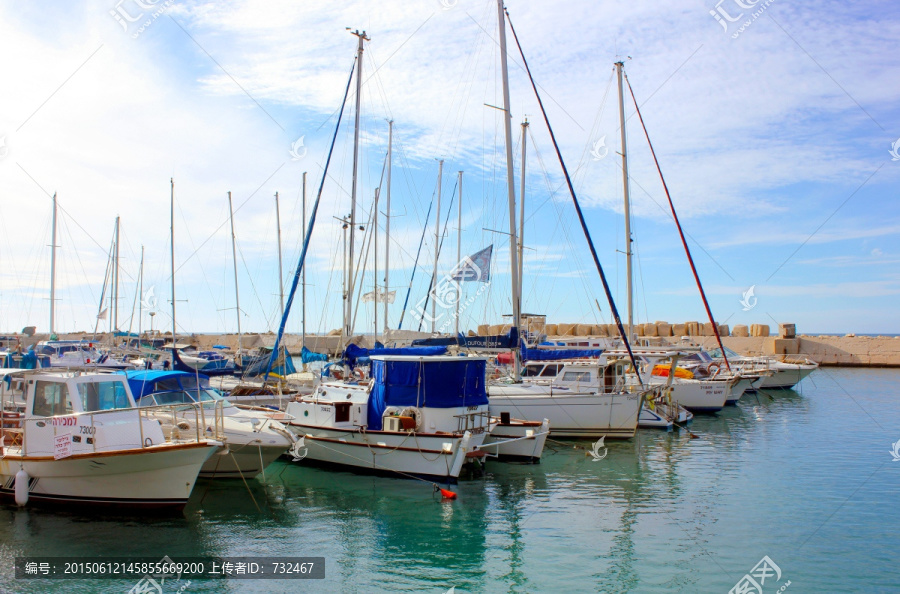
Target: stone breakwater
(849, 350)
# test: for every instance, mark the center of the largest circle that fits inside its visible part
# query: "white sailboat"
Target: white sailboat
(585, 412)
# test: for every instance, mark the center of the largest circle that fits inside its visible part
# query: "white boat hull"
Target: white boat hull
(585, 415)
(651, 419)
(519, 441)
(241, 461)
(154, 477)
(698, 395)
(785, 376)
(424, 455)
(738, 388)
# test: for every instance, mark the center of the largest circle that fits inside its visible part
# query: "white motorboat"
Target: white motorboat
(418, 416)
(82, 441)
(580, 398)
(775, 373)
(516, 440)
(252, 438)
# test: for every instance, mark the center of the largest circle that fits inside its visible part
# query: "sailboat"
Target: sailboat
(603, 404)
(420, 416)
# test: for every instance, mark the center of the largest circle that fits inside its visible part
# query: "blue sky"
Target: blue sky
(774, 141)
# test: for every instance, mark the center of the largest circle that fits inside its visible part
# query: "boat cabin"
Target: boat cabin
(607, 375)
(437, 394)
(72, 413)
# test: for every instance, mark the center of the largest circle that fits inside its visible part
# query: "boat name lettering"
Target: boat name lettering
(325, 409)
(86, 430)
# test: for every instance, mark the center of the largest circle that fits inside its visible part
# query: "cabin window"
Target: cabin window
(550, 371)
(576, 376)
(103, 396)
(51, 399)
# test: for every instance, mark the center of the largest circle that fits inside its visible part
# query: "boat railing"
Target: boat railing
(182, 423)
(474, 422)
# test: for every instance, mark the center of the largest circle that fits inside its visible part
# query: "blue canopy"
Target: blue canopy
(557, 354)
(357, 355)
(440, 383)
(145, 382)
(501, 341)
(307, 356)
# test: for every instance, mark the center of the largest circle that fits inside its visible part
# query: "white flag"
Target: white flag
(102, 314)
(381, 297)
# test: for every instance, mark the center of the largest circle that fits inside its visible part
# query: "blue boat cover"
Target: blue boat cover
(307, 356)
(257, 365)
(502, 341)
(144, 382)
(355, 355)
(437, 341)
(438, 384)
(557, 354)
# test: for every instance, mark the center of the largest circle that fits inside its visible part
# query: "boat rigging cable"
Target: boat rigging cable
(415, 265)
(309, 230)
(587, 234)
(680, 231)
(440, 246)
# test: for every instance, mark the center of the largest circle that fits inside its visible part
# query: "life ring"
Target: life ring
(415, 413)
(713, 368)
(360, 373)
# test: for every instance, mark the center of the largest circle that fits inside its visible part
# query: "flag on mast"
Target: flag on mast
(474, 268)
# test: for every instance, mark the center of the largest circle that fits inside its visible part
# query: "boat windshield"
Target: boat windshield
(717, 353)
(103, 395)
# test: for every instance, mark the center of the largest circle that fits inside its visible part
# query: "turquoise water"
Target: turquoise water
(804, 477)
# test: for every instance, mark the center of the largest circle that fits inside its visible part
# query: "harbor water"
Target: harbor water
(805, 477)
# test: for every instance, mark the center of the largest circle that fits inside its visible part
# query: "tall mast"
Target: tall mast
(53, 271)
(141, 294)
(375, 261)
(172, 252)
(303, 279)
(437, 243)
(280, 271)
(458, 249)
(387, 224)
(522, 213)
(116, 287)
(237, 294)
(628, 283)
(511, 189)
(348, 296)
